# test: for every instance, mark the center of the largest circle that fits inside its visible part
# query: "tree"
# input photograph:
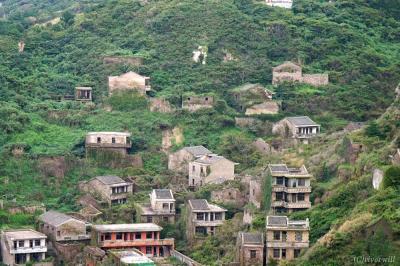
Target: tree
(392, 177)
(68, 18)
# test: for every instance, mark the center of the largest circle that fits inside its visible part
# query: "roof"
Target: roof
(138, 227)
(251, 238)
(127, 134)
(203, 205)
(278, 168)
(301, 121)
(110, 179)
(197, 150)
(56, 218)
(287, 64)
(94, 251)
(284, 170)
(163, 194)
(210, 159)
(277, 221)
(21, 234)
(129, 74)
(132, 256)
(83, 88)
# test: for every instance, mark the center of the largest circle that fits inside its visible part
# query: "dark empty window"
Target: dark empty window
(296, 253)
(149, 250)
(149, 235)
(279, 196)
(112, 140)
(206, 98)
(107, 236)
(276, 253)
(200, 216)
(298, 236)
(149, 219)
(253, 254)
(98, 140)
(218, 216)
(138, 236)
(277, 235)
(188, 99)
(301, 182)
(165, 219)
(119, 236)
(300, 197)
(283, 253)
(279, 180)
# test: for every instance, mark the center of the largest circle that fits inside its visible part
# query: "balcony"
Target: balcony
(208, 223)
(281, 244)
(108, 145)
(279, 203)
(299, 205)
(136, 243)
(22, 250)
(280, 188)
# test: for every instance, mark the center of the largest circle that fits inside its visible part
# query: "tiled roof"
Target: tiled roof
(209, 159)
(277, 220)
(252, 238)
(278, 168)
(301, 121)
(109, 179)
(163, 194)
(54, 218)
(197, 150)
(199, 204)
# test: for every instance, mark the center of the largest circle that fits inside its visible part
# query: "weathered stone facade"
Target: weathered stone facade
(250, 249)
(129, 81)
(228, 195)
(179, 160)
(108, 141)
(194, 102)
(291, 72)
(160, 105)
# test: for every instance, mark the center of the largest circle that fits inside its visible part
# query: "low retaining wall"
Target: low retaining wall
(185, 259)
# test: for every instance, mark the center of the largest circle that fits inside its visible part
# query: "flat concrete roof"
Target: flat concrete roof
(138, 227)
(109, 133)
(22, 234)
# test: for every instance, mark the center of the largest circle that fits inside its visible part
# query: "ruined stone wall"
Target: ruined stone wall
(179, 161)
(279, 77)
(194, 103)
(316, 79)
(160, 105)
(127, 60)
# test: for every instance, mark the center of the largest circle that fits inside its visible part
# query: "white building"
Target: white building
(280, 3)
(22, 246)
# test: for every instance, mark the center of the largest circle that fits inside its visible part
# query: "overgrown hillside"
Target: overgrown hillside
(355, 41)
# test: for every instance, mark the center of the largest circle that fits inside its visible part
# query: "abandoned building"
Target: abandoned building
(280, 3)
(160, 105)
(210, 168)
(196, 102)
(255, 191)
(203, 218)
(300, 128)
(285, 238)
(119, 142)
(254, 99)
(262, 146)
(123, 60)
(378, 226)
(142, 236)
(353, 126)
(58, 226)
(93, 256)
(22, 246)
(83, 94)
(129, 81)
(291, 72)
(130, 257)
(161, 208)
(250, 249)
(111, 189)
(396, 158)
(179, 160)
(229, 195)
(291, 188)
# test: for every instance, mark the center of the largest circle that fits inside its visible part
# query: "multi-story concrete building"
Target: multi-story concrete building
(179, 160)
(291, 188)
(61, 227)
(210, 168)
(203, 218)
(250, 249)
(111, 189)
(142, 236)
(301, 128)
(129, 81)
(161, 208)
(108, 141)
(22, 246)
(285, 238)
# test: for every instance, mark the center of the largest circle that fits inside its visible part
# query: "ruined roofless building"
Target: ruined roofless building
(286, 238)
(129, 81)
(291, 188)
(250, 249)
(108, 141)
(291, 72)
(196, 102)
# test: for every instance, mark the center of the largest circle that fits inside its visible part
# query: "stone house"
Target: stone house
(160, 105)
(83, 94)
(20, 246)
(124, 60)
(129, 81)
(291, 188)
(250, 249)
(179, 160)
(161, 208)
(396, 158)
(210, 168)
(254, 99)
(291, 72)
(203, 218)
(111, 189)
(108, 141)
(377, 226)
(285, 239)
(142, 236)
(93, 256)
(61, 227)
(228, 195)
(280, 3)
(262, 146)
(300, 128)
(196, 102)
